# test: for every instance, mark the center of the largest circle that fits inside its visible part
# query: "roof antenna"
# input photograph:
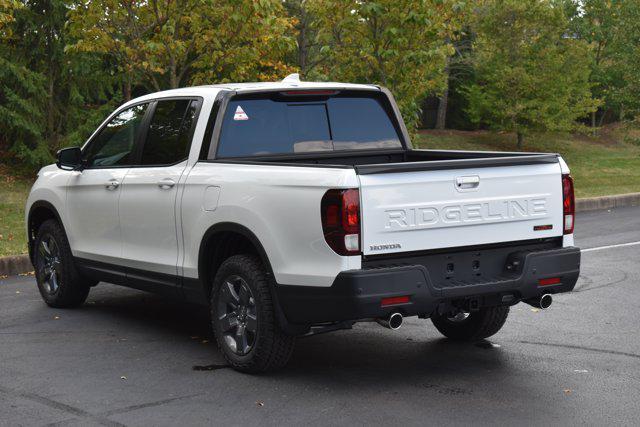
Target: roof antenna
(292, 78)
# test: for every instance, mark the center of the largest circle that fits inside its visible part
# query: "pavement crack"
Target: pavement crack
(579, 347)
(625, 276)
(54, 404)
(146, 405)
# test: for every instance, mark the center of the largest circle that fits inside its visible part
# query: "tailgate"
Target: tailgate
(434, 209)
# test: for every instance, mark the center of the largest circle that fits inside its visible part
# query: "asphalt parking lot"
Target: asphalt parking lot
(130, 358)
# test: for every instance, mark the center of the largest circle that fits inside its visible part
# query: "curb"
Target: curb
(12, 265)
(19, 264)
(607, 202)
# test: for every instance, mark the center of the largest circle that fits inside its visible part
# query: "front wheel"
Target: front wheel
(472, 326)
(243, 317)
(59, 283)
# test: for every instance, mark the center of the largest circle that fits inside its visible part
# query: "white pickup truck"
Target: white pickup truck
(294, 208)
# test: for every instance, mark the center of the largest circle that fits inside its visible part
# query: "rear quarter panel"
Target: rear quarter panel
(279, 204)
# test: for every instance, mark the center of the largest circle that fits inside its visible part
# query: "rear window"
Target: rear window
(281, 124)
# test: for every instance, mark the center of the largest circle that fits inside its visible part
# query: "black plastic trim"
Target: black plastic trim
(357, 294)
(485, 162)
(211, 121)
(159, 283)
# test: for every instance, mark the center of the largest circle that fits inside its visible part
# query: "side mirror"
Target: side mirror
(70, 159)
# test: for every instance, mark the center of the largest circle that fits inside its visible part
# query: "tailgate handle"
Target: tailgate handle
(467, 182)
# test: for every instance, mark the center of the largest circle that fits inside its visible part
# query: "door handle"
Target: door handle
(166, 183)
(467, 182)
(112, 184)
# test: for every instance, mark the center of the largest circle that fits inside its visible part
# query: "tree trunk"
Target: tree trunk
(173, 75)
(126, 89)
(604, 114)
(51, 112)
(303, 52)
(593, 123)
(443, 102)
(520, 140)
(621, 118)
(441, 118)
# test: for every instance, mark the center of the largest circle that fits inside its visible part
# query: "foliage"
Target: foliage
(399, 44)
(47, 93)
(305, 24)
(165, 44)
(612, 27)
(7, 8)
(532, 74)
(21, 113)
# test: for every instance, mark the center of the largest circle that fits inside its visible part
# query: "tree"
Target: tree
(457, 65)
(307, 54)
(166, 44)
(7, 8)
(395, 43)
(613, 29)
(531, 73)
(46, 94)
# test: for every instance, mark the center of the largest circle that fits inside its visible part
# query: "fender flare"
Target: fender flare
(236, 228)
(287, 327)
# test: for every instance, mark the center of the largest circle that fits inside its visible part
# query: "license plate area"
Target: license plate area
(466, 266)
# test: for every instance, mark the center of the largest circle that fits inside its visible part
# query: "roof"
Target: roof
(290, 82)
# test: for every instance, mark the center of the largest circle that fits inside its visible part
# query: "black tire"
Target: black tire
(59, 282)
(260, 345)
(476, 326)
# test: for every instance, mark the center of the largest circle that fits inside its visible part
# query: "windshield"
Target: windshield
(280, 124)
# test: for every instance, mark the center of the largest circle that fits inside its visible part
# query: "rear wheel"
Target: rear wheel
(243, 317)
(472, 326)
(58, 281)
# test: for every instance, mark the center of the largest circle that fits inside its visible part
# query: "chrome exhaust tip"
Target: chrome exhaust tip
(541, 302)
(393, 321)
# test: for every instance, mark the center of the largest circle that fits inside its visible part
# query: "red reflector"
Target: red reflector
(549, 281)
(543, 227)
(394, 301)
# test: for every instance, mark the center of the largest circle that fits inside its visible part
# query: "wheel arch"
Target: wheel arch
(39, 212)
(218, 235)
(226, 239)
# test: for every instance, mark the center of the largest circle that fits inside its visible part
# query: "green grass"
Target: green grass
(600, 166)
(13, 196)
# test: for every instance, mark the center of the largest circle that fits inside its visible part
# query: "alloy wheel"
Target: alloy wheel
(50, 263)
(237, 315)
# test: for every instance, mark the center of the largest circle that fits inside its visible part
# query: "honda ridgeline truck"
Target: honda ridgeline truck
(294, 208)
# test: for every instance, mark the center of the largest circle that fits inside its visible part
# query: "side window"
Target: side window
(114, 145)
(168, 137)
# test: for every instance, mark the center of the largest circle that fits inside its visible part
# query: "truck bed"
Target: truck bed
(387, 161)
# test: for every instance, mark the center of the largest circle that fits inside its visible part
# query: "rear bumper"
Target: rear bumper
(357, 294)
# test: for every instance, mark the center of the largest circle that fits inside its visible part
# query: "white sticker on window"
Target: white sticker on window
(240, 114)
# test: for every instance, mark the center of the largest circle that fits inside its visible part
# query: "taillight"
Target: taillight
(568, 203)
(340, 212)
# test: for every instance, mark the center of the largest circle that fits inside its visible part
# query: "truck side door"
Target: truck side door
(149, 195)
(94, 193)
